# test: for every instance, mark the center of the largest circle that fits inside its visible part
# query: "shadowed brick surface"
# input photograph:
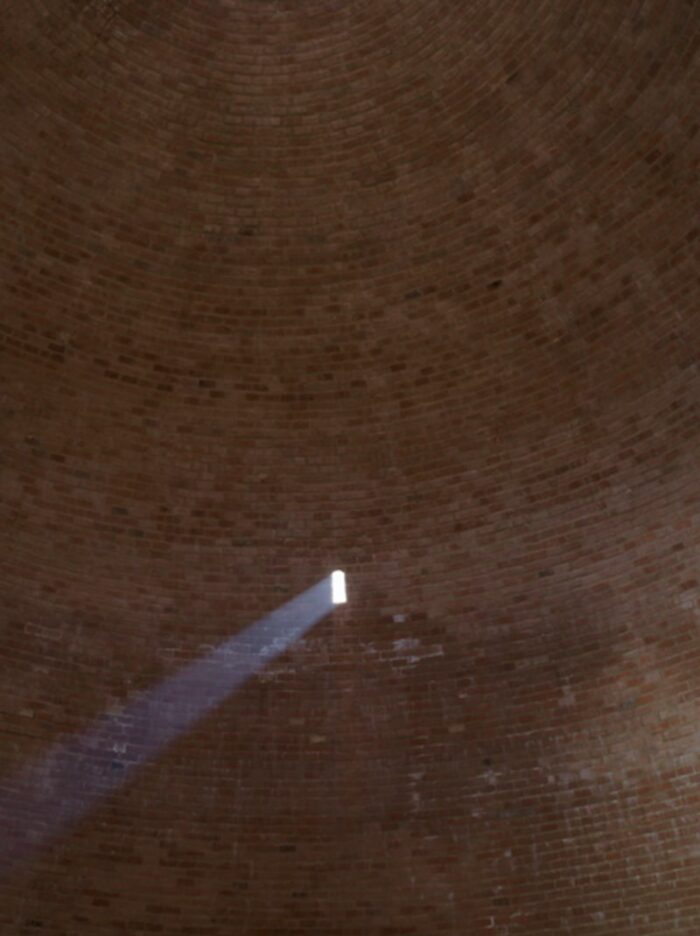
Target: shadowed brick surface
(405, 288)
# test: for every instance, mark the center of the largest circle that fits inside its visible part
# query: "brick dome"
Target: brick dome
(409, 289)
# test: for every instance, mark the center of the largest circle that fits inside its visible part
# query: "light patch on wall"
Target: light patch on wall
(338, 589)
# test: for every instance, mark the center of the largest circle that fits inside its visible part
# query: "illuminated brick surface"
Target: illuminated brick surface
(404, 288)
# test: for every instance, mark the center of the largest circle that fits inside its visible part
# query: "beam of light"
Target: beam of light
(338, 590)
(76, 773)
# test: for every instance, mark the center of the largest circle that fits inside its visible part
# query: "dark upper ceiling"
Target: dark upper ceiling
(273, 250)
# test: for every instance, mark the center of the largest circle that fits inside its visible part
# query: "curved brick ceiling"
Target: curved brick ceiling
(410, 287)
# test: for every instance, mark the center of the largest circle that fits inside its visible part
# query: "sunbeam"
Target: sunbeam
(47, 796)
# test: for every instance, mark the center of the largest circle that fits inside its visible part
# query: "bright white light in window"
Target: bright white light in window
(338, 591)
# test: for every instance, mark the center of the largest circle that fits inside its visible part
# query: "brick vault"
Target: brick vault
(404, 288)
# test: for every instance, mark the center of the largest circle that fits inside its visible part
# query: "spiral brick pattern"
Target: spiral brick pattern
(405, 288)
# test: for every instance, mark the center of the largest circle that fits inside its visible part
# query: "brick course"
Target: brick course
(405, 288)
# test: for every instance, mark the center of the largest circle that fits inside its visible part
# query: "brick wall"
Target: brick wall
(409, 289)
